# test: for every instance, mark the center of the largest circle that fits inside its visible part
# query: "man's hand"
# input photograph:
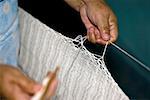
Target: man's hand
(16, 86)
(99, 20)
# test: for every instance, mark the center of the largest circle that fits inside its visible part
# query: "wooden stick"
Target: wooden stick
(53, 77)
(40, 95)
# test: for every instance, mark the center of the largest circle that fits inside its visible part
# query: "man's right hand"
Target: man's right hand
(16, 86)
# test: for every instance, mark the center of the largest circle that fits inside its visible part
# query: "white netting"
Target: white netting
(82, 76)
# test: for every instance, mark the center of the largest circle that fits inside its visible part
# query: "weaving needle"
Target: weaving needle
(46, 83)
(53, 77)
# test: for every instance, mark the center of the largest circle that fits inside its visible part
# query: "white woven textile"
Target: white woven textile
(82, 76)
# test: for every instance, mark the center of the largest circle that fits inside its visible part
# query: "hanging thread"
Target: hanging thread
(104, 50)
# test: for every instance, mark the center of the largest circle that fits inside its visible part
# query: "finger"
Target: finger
(52, 87)
(18, 94)
(105, 33)
(103, 26)
(113, 28)
(101, 41)
(27, 84)
(89, 26)
(97, 34)
(91, 32)
(84, 17)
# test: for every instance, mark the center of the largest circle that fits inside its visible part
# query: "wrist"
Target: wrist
(92, 1)
(81, 4)
(75, 4)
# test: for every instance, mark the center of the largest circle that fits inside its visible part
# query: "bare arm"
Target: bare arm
(74, 4)
(99, 20)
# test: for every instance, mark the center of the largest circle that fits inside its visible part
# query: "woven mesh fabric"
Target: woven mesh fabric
(82, 76)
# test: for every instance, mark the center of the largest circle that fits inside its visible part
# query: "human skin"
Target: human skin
(14, 85)
(98, 18)
(101, 25)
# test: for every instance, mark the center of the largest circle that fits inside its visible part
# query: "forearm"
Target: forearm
(76, 4)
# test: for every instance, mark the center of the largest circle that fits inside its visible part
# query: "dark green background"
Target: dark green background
(134, 37)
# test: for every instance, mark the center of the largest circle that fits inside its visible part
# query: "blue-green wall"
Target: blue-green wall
(134, 36)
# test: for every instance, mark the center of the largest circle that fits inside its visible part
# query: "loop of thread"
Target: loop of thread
(98, 59)
(81, 40)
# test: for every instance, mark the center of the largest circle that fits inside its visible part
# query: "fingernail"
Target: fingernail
(91, 29)
(37, 87)
(105, 36)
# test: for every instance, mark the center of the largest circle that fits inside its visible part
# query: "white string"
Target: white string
(81, 40)
(133, 58)
(104, 50)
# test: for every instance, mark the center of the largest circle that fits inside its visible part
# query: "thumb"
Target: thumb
(28, 85)
(113, 28)
(103, 26)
